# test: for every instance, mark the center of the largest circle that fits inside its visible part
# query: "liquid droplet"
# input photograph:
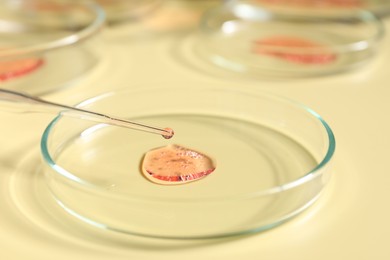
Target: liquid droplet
(169, 133)
(174, 164)
(302, 51)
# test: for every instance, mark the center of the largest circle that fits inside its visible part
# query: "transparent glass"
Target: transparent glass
(272, 160)
(249, 38)
(119, 11)
(47, 45)
(379, 7)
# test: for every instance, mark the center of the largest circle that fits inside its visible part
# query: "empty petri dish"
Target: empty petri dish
(47, 45)
(272, 160)
(119, 11)
(166, 17)
(248, 38)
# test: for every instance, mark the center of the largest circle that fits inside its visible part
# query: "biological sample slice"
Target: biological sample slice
(18, 68)
(294, 49)
(175, 164)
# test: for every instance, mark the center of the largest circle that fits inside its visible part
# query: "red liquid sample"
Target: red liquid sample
(174, 164)
(17, 68)
(169, 133)
(279, 47)
(315, 3)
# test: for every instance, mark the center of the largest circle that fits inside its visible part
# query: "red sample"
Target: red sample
(17, 68)
(297, 50)
(174, 164)
(169, 133)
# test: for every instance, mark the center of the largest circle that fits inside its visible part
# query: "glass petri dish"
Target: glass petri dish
(251, 39)
(47, 45)
(379, 7)
(272, 160)
(119, 11)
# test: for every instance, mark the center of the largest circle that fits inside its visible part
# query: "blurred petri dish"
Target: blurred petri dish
(178, 15)
(168, 17)
(272, 160)
(379, 7)
(48, 45)
(250, 39)
(119, 11)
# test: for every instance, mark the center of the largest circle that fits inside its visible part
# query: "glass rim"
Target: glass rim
(84, 33)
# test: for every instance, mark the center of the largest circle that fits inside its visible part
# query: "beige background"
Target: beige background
(350, 221)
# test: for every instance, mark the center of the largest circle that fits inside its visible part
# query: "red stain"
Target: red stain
(18, 68)
(182, 178)
(293, 49)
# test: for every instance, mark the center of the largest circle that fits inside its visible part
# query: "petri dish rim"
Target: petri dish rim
(90, 30)
(306, 177)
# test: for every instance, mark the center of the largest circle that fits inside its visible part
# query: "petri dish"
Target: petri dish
(48, 45)
(272, 158)
(167, 17)
(252, 39)
(379, 7)
(119, 11)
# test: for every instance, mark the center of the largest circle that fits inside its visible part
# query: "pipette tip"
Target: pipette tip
(168, 133)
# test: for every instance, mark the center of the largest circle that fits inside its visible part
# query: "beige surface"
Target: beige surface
(350, 221)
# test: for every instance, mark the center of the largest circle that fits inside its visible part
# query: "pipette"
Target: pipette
(46, 106)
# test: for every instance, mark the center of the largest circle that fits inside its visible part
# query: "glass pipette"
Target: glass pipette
(37, 104)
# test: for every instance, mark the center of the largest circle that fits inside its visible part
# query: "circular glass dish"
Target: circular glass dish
(250, 39)
(46, 45)
(272, 161)
(119, 11)
(379, 7)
